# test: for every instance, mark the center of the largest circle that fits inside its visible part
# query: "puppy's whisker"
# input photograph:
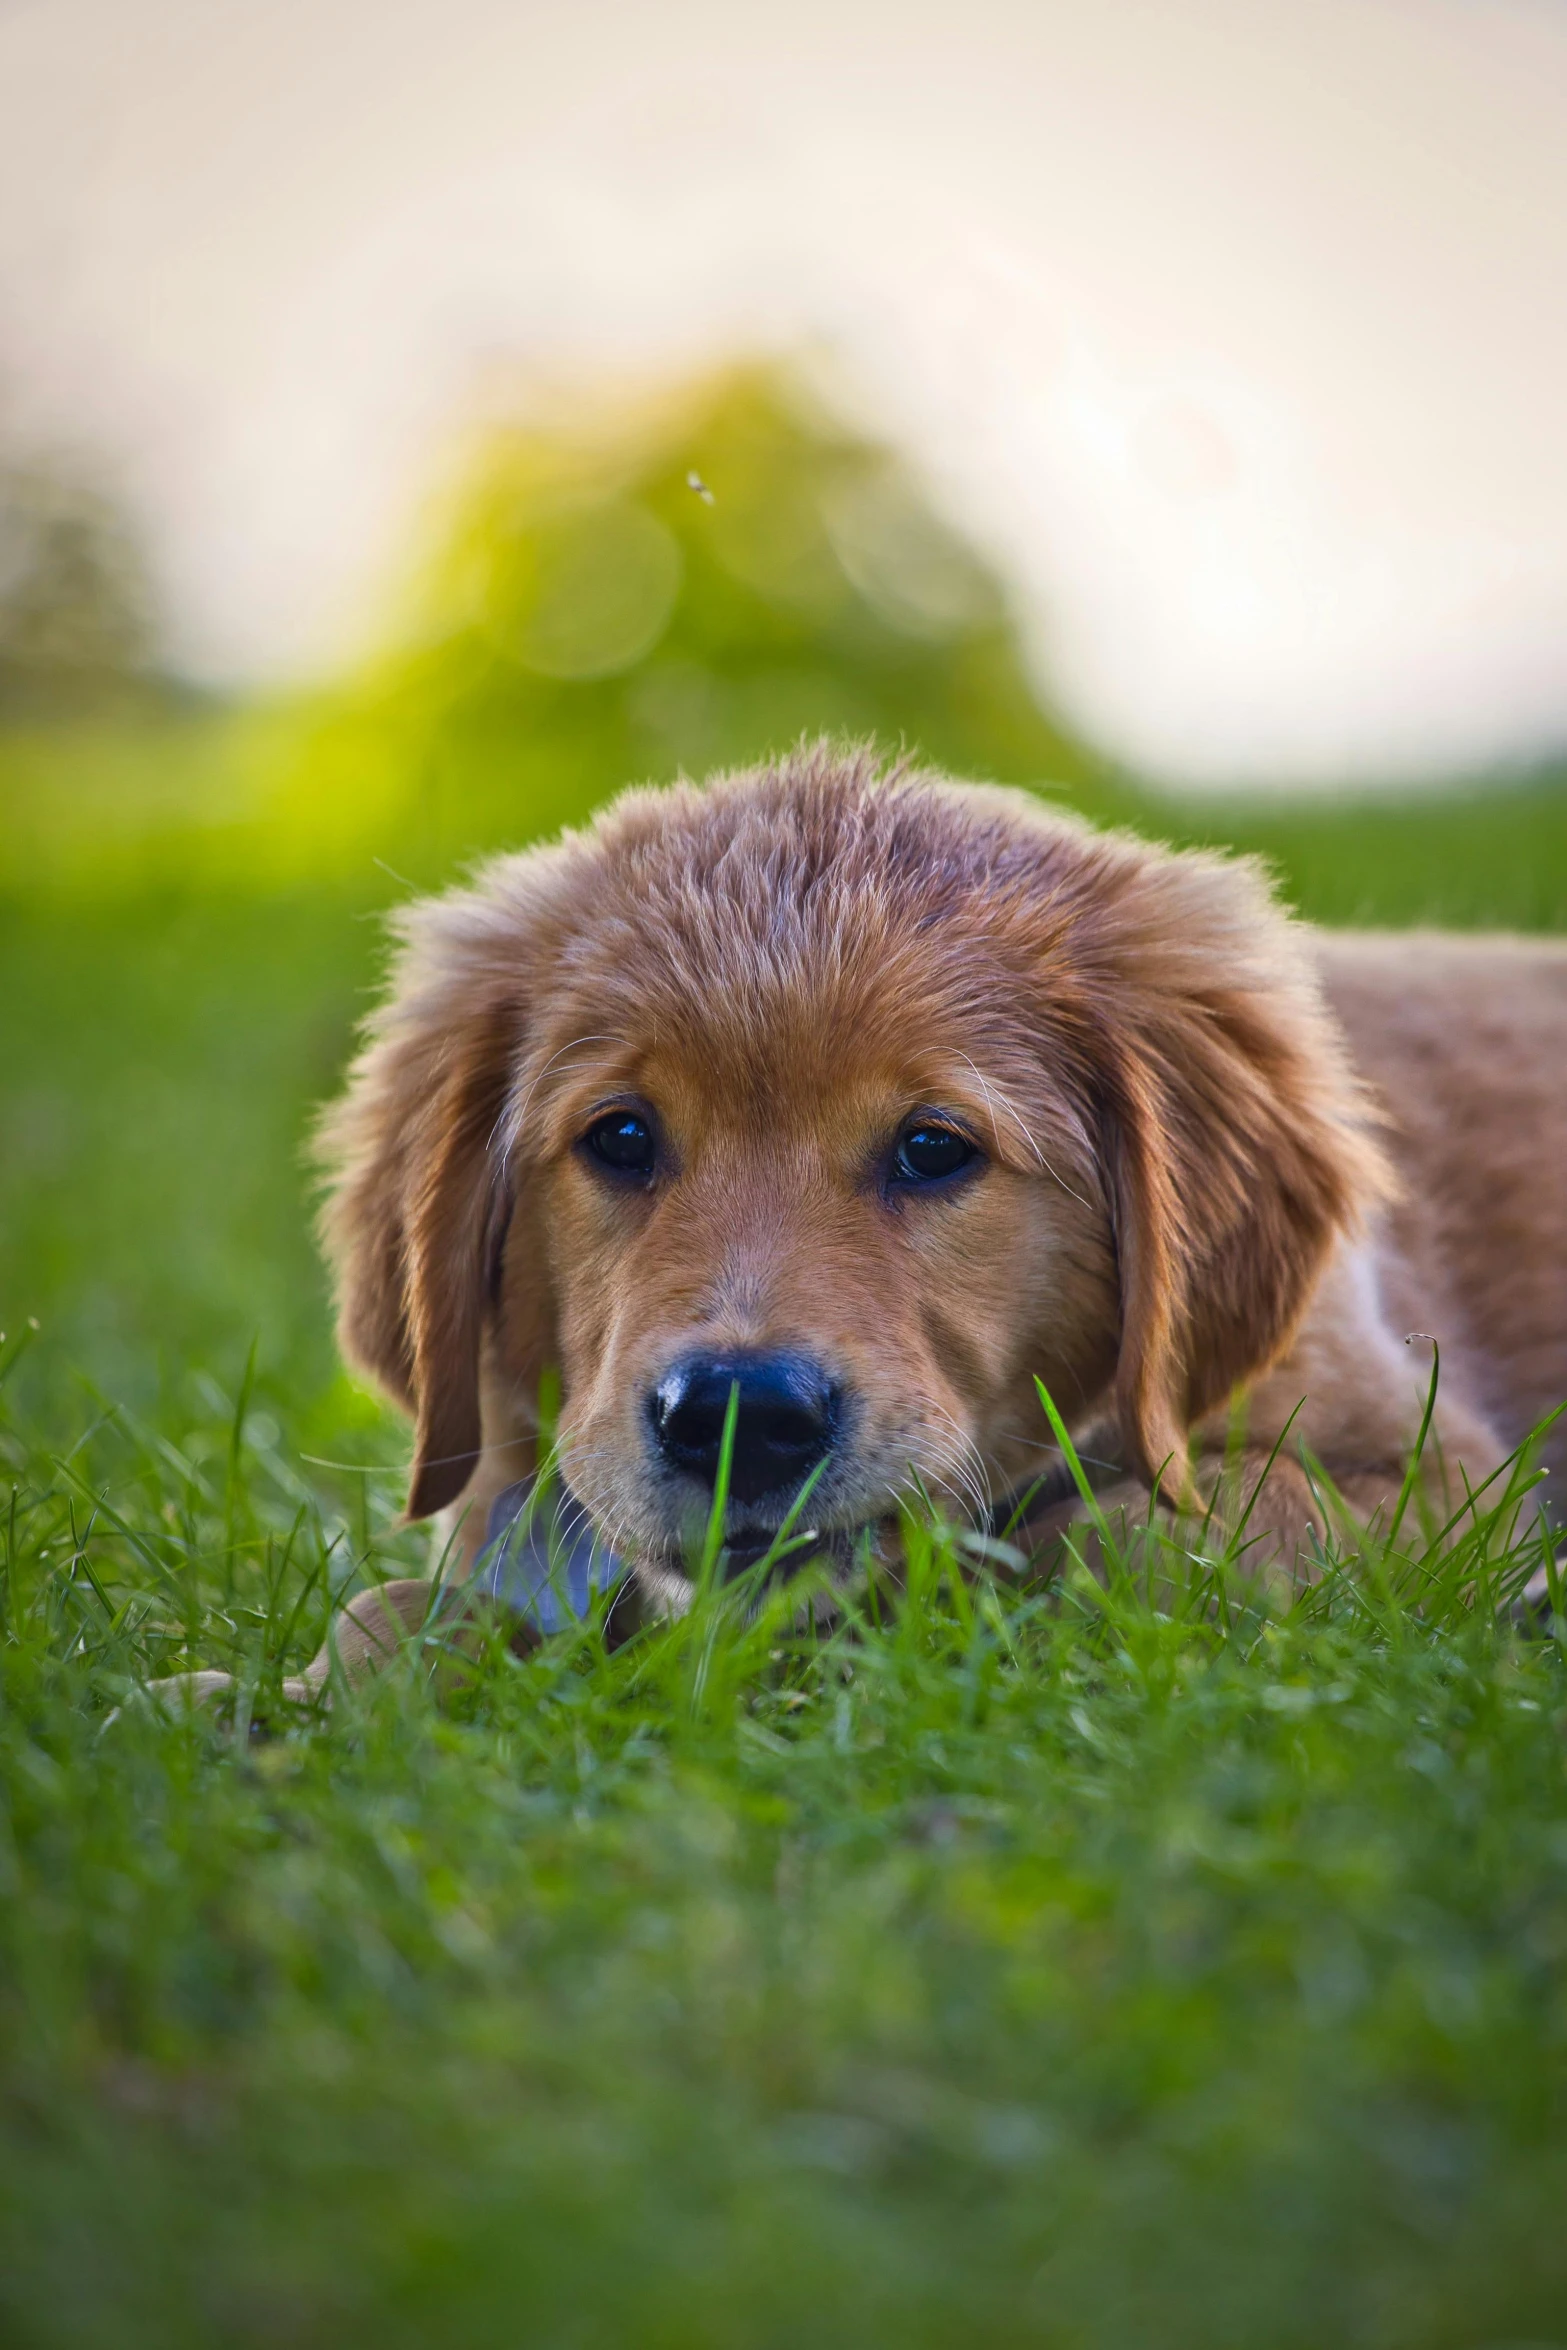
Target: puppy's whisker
(939, 1473)
(442, 1460)
(507, 1131)
(971, 1461)
(570, 1458)
(929, 1473)
(972, 1483)
(963, 1460)
(1020, 1123)
(969, 1505)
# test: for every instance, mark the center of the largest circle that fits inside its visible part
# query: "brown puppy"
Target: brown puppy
(880, 1096)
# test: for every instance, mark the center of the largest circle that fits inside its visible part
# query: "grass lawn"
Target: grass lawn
(1108, 1968)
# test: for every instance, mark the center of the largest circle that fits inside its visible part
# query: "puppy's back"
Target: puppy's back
(1465, 1041)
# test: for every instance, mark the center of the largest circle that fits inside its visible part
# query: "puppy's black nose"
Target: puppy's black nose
(785, 1419)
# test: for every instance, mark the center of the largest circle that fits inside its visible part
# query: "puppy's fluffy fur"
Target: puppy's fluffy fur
(1222, 1157)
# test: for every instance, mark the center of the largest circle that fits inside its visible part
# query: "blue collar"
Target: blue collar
(538, 1570)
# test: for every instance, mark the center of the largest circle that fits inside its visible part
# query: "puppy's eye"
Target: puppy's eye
(927, 1153)
(622, 1141)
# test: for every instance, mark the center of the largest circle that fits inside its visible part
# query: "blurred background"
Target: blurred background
(418, 420)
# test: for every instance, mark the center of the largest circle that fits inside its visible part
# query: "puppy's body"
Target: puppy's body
(1462, 1040)
(1457, 1040)
(1162, 1178)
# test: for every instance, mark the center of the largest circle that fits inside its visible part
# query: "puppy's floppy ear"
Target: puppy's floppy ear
(418, 1203)
(1236, 1136)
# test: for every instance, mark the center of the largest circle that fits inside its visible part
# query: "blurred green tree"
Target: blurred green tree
(681, 586)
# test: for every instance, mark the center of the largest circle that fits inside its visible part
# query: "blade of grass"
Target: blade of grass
(1412, 1473)
(1090, 1500)
(713, 1539)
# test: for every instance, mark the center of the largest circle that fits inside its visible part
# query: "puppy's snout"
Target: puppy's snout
(786, 1417)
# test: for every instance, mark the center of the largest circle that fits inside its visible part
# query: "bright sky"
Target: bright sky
(1234, 330)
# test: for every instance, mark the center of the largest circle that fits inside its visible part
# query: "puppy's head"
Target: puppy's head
(860, 1101)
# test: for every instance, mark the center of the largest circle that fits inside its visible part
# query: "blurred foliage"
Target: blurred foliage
(160, 1055)
(76, 626)
(681, 583)
(633, 591)
(1490, 858)
(689, 585)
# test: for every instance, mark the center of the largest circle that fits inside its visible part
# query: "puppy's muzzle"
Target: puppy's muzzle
(787, 1414)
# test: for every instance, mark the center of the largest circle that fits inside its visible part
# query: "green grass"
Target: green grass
(1095, 1969)
(1107, 1966)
